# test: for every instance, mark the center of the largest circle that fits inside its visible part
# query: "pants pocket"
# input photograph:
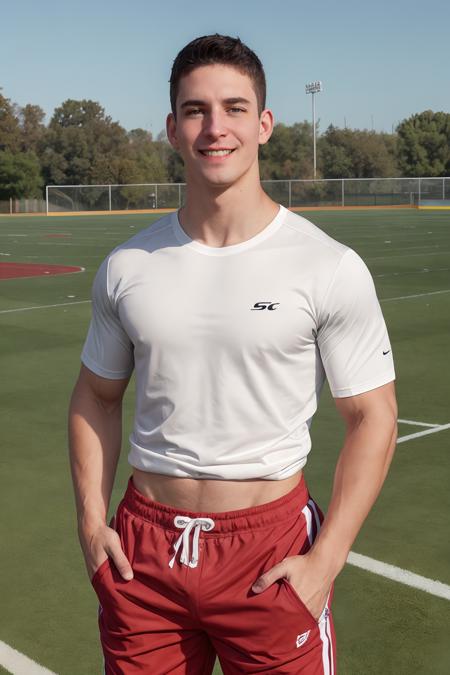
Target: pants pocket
(98, 574)
(300, 604)
(124, 523)
(297, 599)
(100, 571)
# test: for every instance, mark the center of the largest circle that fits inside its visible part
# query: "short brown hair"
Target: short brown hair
(222, 49)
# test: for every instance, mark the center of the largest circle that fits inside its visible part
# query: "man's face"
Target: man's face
(218, 129)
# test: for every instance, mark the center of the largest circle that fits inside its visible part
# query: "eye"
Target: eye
(235, 109)
(192, 112)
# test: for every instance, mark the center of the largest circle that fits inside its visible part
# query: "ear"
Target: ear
(266, 123)
(171, 130)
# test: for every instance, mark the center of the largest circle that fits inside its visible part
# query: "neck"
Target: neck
(223, 216)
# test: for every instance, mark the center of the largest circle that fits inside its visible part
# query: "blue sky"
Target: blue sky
(379, 61)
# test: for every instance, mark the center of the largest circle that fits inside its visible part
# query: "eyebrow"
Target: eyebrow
(228, 101)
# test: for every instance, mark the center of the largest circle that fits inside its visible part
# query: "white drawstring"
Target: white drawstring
(187, 524)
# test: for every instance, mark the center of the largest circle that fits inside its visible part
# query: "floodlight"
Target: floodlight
(314, 88)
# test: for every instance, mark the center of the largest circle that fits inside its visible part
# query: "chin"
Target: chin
(222, 179)
(221, 182)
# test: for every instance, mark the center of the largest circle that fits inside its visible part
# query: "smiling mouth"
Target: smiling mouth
(216, 153)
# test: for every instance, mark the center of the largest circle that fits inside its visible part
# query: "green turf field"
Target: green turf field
(48, 609)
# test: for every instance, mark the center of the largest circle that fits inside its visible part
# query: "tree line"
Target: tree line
(82, 145)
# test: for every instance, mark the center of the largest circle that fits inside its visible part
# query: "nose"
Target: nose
(214, 124)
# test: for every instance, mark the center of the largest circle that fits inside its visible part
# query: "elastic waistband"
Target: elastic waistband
(275, 512)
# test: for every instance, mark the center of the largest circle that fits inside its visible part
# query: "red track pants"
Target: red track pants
(191, 598)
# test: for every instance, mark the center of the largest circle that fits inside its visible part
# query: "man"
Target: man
(231, 312)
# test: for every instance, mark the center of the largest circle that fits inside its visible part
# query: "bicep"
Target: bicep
(102, 388)
(379, 404)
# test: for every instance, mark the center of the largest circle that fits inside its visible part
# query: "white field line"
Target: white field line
(435, 430)
(418, 424)
(19, 664)
(421, 247)
(427, 270)
(405, 255)
(27, 309)
(398, 574)
(416, 295)
(46, 274)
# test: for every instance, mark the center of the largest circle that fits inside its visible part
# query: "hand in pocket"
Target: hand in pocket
(102, 543)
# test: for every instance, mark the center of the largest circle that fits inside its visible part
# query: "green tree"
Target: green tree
(9, 126)
(147, 157)
(175, 166)
(288, 154)
(82, 144)
(32, 128)
(20, 175)
(170, 158)
(355, 153)
(424, 144)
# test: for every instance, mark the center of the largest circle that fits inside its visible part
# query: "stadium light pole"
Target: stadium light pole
(314, 88)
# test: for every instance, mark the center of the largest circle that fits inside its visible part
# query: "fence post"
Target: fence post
(156, 195)
(343, 193)
(109, 195)
(179, 195)
(419, 193)
(290, 193)
(443, 189)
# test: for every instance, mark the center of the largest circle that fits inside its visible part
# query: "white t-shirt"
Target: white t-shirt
(231, 345)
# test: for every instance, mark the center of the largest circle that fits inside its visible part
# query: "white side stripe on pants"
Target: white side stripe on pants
(310, 511)
(307, 513)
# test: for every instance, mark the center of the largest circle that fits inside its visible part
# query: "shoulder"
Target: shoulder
(148, 239)
(311, 236)
(321, 253)
(120, 263)
(155, 236)
(336, 271)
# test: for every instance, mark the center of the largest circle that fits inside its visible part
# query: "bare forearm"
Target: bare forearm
(360, 472)
(95, 433)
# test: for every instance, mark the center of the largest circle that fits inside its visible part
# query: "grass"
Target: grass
(48, 607)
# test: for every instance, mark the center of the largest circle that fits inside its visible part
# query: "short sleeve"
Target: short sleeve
(107, 351)
(352, 336)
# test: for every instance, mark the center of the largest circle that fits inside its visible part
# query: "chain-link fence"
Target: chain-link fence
(63, 198)
(338, 192)
(358, 191)
(22, 206)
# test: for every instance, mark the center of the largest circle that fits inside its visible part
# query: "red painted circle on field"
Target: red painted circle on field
(12, 270)
(56, 235)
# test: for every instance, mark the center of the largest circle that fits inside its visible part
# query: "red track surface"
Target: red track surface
(11, 270)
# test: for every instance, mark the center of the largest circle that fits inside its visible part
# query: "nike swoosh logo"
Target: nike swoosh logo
(384, 353)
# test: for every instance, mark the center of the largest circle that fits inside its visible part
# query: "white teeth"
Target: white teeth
(217, 153)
